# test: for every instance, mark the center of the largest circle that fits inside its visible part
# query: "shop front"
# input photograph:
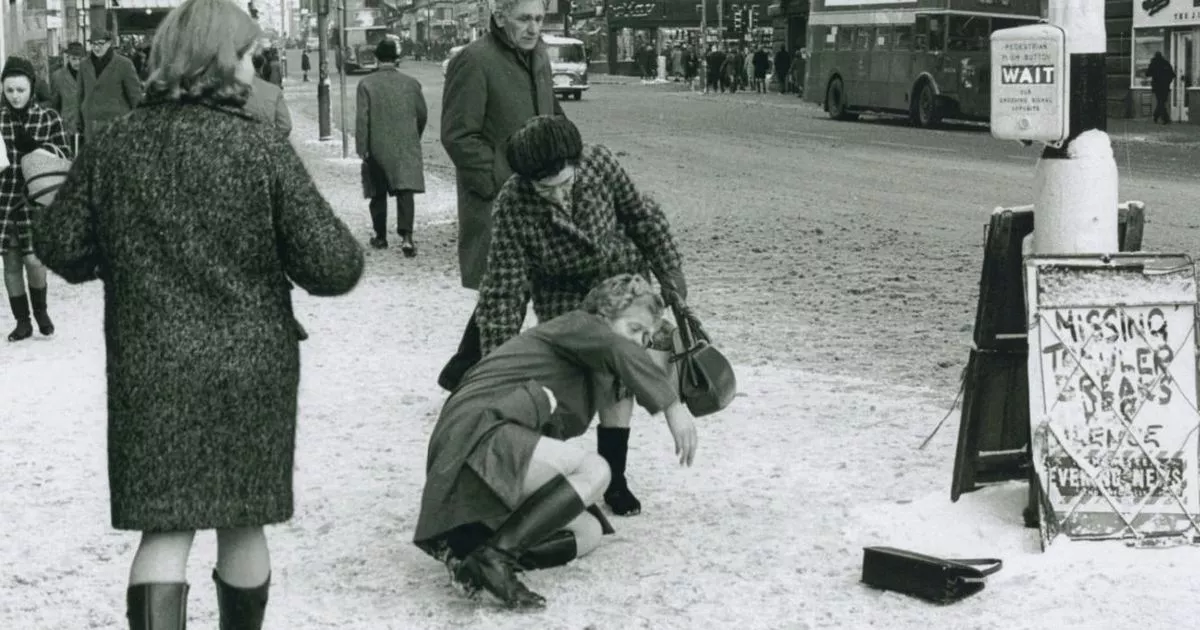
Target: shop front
(1170, 27)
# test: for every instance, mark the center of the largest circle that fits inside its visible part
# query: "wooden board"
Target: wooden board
(1112, 391)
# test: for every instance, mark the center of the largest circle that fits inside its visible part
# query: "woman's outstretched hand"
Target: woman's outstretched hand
(683, 429)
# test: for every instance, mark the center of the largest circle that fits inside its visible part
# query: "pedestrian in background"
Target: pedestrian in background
(25, 126)
(1162, 76)
(109, 86)
(568, 218)
(305, 64)
(195, 217)
(266, 101)
(716, 69)
(274, 68)
(64, 92)
(492, 87)
(783, 69)
(762, 64)
(388, 128)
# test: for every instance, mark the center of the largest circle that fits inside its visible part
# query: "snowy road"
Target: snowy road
(835, 262)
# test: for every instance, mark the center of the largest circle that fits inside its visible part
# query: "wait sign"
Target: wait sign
(1030, 84)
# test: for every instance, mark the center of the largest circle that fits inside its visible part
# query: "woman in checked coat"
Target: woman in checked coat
(195, 216)
(568, 218)
(25, 126)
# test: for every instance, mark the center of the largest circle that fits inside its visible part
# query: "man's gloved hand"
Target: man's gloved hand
(674, 284)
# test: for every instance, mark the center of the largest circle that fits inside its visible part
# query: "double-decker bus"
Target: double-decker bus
(928, 59)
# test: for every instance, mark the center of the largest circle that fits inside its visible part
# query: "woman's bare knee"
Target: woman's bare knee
(594, 475)
(588, 534)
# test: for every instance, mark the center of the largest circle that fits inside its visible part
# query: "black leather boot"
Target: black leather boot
(613, 445)
(37, 297)
(20, 310)
(555, 551)
(241, 608)
(157, 606)
(494, 564)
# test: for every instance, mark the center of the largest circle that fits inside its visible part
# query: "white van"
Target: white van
(568, 64)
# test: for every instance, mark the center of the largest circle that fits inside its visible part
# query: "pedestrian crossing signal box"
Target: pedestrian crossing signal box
(1030, 84)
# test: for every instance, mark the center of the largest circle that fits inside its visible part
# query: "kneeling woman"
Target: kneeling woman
(504, 492)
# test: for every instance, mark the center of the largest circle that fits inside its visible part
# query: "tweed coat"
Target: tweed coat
(16, 215)
(556, 255)
(195, 217)
(491, 89)
(102, 98)
(388, 128)
(64, 97)
(484, 438)
(267, 104)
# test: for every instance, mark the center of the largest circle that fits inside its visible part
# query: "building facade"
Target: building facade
(1170, 27)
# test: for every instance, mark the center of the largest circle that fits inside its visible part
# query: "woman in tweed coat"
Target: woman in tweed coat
(195, 215)
(568, 218)
(25, 126)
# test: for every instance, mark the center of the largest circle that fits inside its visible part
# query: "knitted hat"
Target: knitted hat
(75, 49)
(543, 146)
(18, 66)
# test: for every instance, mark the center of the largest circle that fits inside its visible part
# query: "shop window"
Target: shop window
(1146, 42)
(902, 38)
(630, 41)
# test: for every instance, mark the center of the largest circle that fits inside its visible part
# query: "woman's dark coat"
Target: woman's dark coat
(196, 217)
(492, 88)
(388, 128)
(485, 435)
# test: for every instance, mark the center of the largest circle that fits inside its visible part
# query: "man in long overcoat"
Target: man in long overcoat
(389, 124)
(492, 87)
(64, 89)
(109, 86)
(1162, 76)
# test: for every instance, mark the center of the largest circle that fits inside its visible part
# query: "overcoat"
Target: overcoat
(481, 446)
(64, 97)
(45, 128)
(114, 93)
(556, 255)
(195, 217)
(388, 128)
(491, 89)
(267, 104)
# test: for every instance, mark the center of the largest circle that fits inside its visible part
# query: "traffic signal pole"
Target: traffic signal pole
(323, 123)
(1076, 184)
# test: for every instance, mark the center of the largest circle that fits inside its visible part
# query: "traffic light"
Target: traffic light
(252, 9)
(750, 17)
(737, 20)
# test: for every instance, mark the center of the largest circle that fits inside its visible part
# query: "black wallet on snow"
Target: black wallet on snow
(932, 579)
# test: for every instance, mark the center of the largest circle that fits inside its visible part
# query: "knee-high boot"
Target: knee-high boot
(560, 548)
(20, 310)
(613, 445)
(493, 565)
(241, 608)
(37, 297)
(157, 606)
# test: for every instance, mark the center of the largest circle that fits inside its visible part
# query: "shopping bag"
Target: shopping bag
(44, 172)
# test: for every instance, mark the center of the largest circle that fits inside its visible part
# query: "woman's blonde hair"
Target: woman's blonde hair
(614, 296)
(197, 50)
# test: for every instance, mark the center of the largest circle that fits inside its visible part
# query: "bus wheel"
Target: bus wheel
(926, 111)
(835, 101)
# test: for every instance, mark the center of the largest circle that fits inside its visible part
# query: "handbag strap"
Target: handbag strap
(691, 331)
(991, 565)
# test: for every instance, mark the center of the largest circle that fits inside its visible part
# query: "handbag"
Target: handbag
(706, 380)
(925, 577)
(44, 172)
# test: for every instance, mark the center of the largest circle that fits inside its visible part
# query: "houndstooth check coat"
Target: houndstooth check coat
(555, 255)
(45, 126)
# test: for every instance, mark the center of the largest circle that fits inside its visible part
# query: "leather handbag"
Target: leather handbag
(934, 580)
(706, 380)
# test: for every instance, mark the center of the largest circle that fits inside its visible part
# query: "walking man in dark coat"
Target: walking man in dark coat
(109, 86)
(493, 86)
(783, 69)
(1162, 75)
(64, 91)
(390, 122)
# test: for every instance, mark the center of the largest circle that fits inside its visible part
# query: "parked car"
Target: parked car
(568, 63)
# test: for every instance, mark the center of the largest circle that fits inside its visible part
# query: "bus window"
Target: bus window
(902, 38)
(819, 33)
(968, 34)
(845, 37)
(883, 38)
(921, 29)
(862, 39)
(937, 33)
(831, 38)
